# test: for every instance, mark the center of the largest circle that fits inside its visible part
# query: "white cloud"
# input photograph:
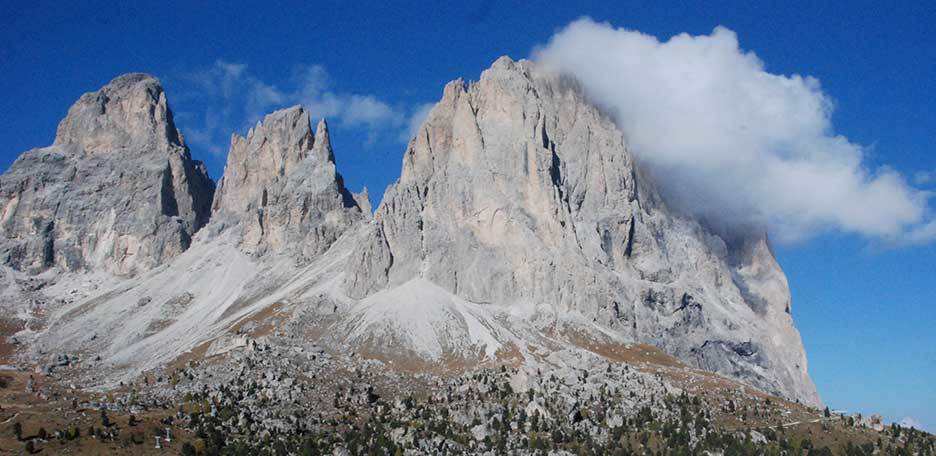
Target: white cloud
(920, 234)
(231, 70)
(221, 78)
(349, 109)
(416, 120)
(924, 177)
(368, 110)
(231, 99)
(732, 143)
(262, 97)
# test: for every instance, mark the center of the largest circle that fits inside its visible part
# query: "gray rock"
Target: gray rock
(281, 188)
(520, 220)
(117, 191)
(59, 360)
(517, 191)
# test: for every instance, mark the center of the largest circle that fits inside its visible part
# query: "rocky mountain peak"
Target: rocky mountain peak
(518, 191)
(129, 112)
(506, 68)
(281, 187)
(117, 191)
(271, 150)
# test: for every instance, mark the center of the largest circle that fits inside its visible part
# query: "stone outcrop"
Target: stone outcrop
(117, 191)
(520, 193)
(282, 191)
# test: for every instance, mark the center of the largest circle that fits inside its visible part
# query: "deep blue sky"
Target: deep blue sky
(866, 313)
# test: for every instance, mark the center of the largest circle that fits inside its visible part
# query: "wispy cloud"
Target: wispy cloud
(232, 99)
(365, 111)
(416, 120)
(734, 144)
(924, 177)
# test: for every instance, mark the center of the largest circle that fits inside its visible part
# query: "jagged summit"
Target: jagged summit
(272, 149)
(281, 185)
(521, 225)
(519, 192)
(117, 191)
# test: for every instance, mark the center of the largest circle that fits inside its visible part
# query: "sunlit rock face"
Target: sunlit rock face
(281, 188)
(518, 192)
(521, 225)
(117, 191)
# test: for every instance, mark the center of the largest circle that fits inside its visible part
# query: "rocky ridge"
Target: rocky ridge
(521, 225)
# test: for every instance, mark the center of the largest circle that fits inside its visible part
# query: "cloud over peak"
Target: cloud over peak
(732, 143)
(232, 99)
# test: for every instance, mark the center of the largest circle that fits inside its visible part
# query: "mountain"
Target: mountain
(518, 193)
(521, 232)
(117, 191)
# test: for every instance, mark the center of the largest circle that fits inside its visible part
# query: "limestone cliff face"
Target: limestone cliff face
(518, 192)
(117, 191)
(281, 188)
(520, 220)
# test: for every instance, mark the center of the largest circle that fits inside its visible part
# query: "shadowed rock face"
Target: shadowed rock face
(117, 191)
(281, 188)
(518, 192)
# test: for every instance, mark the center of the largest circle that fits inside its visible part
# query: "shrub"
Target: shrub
(188, 449)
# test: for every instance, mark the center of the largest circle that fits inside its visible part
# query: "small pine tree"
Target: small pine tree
(30, 447)
(188, 449)
(18, 430)
(827, 413)
(42, 433)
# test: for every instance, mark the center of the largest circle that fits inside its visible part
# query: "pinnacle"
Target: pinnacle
(322, 144)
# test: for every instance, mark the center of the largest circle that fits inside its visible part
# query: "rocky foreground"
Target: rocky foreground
(261, 398)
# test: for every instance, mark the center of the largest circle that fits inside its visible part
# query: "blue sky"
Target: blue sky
(864, 307)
